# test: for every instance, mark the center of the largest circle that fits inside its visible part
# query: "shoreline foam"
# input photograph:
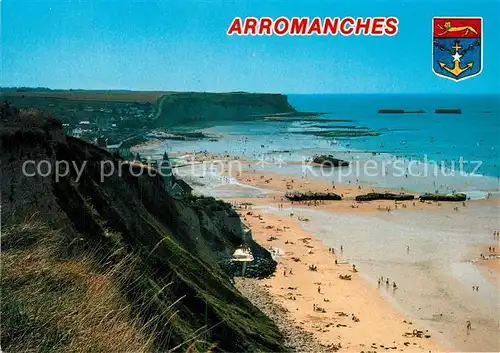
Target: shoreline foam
(275, 183)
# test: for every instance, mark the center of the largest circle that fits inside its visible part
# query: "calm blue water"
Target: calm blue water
(441, 138)
(473, 135)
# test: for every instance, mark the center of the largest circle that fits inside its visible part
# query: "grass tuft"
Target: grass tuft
(50, 304)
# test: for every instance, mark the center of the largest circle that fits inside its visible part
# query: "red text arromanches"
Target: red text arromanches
(305, 26)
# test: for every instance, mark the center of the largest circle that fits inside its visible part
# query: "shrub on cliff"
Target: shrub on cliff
(35, 118)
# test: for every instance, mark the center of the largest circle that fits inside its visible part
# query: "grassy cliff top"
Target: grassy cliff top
(114, 264)
(123, 95)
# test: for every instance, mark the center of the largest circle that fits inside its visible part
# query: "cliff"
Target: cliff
(198, 108)
(134, 110)
(114, 263)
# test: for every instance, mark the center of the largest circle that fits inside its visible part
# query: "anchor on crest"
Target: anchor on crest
(456, 70)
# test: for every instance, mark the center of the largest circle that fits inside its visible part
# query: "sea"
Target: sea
(446, 153)
(418, 151)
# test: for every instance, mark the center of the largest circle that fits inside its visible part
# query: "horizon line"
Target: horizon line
(48, 89)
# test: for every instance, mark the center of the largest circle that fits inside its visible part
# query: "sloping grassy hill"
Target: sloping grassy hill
(171, 108)
(99, 265)
(202, 108)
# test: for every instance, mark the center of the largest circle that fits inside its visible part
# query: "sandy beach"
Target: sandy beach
(490, 263)
(298, 291)
(433, 297)
(146, 145)
(346, 313)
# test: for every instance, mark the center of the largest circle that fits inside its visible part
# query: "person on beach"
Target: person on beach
(341, 249)
(319, 289)
(469, 326)
(336, 263)
(407, 249)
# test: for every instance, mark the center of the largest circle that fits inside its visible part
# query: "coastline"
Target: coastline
(275, 201)
(270, 186)
(349, 207)
(380, 325)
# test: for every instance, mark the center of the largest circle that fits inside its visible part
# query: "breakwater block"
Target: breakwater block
(383, 196)
(441, 197)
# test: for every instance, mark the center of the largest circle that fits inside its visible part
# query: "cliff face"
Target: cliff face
(174, 109)
(176, 280)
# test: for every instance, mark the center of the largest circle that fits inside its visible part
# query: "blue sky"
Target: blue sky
(182, 45)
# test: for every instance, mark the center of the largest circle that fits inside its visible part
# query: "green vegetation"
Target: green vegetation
(120, 115)
(198, 107)
(87, 95)
(116, 265)
(55, 300)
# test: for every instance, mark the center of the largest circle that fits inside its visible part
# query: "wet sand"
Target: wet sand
(145, 146)
(445, 301)
(490, 263)
(348, 313)
(434, 279)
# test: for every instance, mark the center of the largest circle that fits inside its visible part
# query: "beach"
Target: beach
(434, 260)
(437, 295)
(347, 313)
(405, 242)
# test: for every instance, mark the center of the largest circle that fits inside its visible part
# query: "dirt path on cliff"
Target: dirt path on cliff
(159, 107)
